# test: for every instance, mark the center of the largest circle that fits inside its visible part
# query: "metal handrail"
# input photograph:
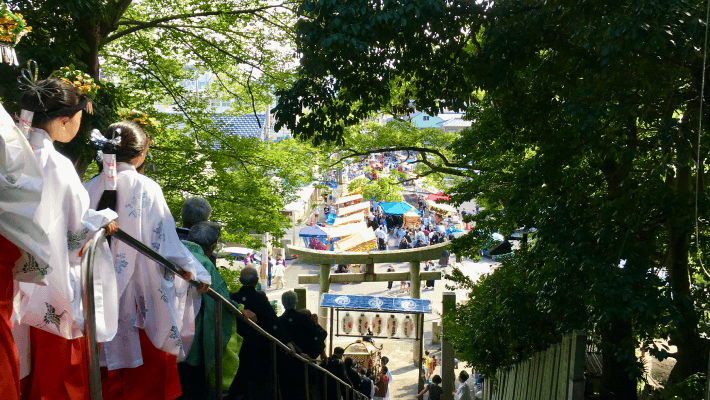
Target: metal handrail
(94, 371)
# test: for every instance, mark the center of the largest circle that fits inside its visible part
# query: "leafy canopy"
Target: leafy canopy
(148, 56)
(585, 128)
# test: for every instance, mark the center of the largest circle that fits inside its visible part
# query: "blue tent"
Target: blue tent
(312, 235)
(395, 208)
(312, 231)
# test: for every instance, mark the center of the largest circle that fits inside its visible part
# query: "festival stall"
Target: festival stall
(344, 231)
(396, 208)
(314, 237)
(348, 200)
(364, 240)
(441, 210)
(438, 196)
(351, 219)
(411, 219)
(353, 209)
(395, 212)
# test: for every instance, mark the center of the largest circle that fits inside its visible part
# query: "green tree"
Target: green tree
(587, 131)
(384, 189)
(143, 54)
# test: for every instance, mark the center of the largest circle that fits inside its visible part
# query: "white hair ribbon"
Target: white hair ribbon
(100, 141)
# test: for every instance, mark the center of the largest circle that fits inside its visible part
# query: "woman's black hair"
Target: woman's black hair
(133, 142)
(51, 98)
(133, 139)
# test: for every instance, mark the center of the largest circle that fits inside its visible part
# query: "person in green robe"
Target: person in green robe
(202, 242)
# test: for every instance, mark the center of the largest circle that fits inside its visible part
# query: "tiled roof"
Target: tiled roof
(245, 126)
(446, 116)
(455, 123)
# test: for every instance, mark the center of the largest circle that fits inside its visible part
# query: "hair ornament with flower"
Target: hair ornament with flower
(12, 28)
(83, 82)
(150, 125)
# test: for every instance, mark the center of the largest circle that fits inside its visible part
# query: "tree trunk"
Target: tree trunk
(616, 384)
(78, 151)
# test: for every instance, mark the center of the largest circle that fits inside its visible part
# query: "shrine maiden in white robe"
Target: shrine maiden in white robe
(150, 297)
(21, 188)
(64, 213)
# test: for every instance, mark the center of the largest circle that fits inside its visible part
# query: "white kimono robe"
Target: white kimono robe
(150, 297)
(64, 214)
(20, 191)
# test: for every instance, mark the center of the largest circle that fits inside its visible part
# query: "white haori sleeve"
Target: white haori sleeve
(151, 297)
(64, 212)
(21, 188)
(188, 300)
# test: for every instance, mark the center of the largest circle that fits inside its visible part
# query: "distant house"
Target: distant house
(424, 120)
(443, 121)
(454, 125)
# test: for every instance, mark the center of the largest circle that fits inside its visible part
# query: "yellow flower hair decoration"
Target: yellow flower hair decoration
(150, 125)
(83, 82)
(12, 26)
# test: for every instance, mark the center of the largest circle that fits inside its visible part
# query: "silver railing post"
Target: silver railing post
(92, 346)
(305, 368)
(324, 393)
(218, 349)
(338, 395)
(274, 371)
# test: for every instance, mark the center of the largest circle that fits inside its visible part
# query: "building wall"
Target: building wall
(426, 121)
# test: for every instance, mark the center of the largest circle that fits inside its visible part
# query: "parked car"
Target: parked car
(239, 254)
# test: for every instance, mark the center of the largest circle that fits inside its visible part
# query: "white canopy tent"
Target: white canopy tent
(365, 206)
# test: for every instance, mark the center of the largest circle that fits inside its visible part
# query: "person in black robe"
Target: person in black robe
(306, 339)
(351, 373)
(334, 365)
(253, 379)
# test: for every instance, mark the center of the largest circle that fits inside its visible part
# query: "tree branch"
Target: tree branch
(422, 150)
(140, 25)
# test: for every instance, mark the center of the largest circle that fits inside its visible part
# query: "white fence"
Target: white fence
(554, 374)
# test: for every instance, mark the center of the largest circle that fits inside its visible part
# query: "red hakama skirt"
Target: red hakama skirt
(156, 379)
(9, 361)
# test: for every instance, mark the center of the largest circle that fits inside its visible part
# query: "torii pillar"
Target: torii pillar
(415, 292)
(323, 288)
